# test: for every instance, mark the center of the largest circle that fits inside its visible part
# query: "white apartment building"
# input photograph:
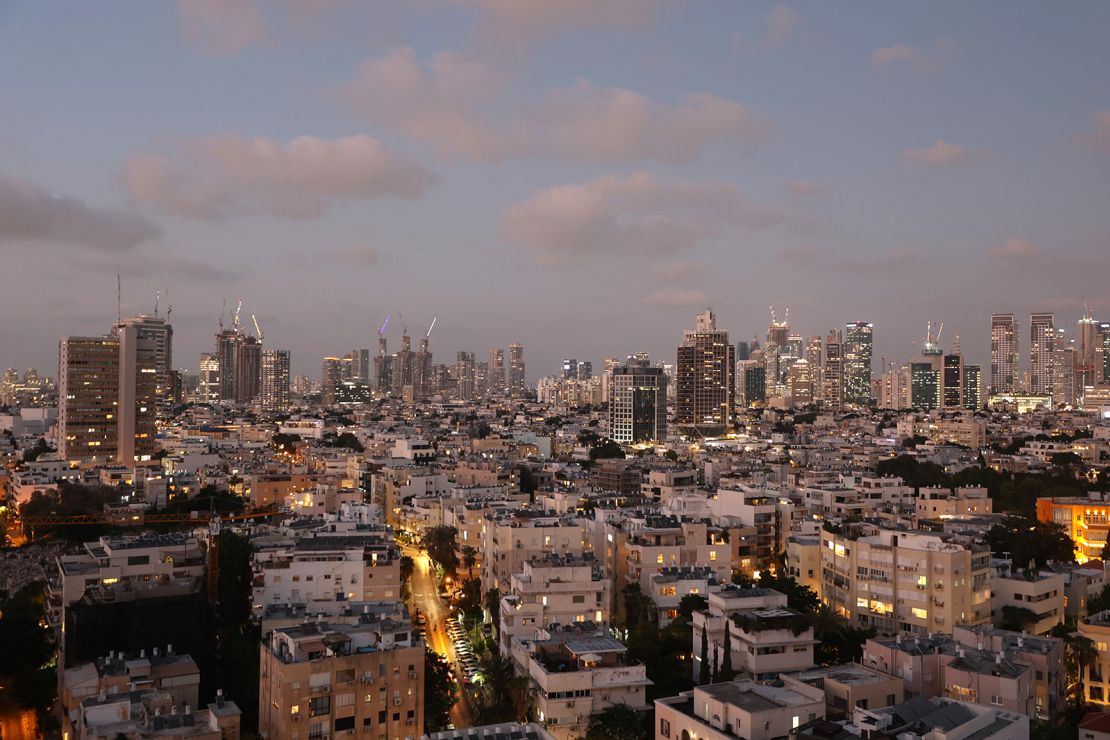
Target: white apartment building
(737, 709)
(512, 538)
(553, 590)
(1041, 592)
(669, 586)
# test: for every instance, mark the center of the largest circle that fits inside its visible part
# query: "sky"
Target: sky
(581, 176)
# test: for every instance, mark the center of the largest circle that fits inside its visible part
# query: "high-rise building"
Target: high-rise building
(1005, 368)
(752, 382)
(423, 383)
(209, 388)
(924, 385)
(832, 381)
(1065, 362)
(360, 365)
(88, 395)
(383, 366)
(952, 381)
(248, 369)
(973, 387)
(743, 351)
(858, 343)
(1042, 354)
(464, 375)
(1104, 344)
(331, 376)
(585, 370)
(157, 335)
(274, 393)
(637, 403)
(706, 392)
(799, 380)
(227, 354)
(570, 369)
(141, 342)
(517, 383)
(402, 366)
(497, 371)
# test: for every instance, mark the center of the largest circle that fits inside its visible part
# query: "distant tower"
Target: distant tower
(274, 391)
(227, 355)
(1042, 351)
(331, 375)
(706, 393)
(1087, 355)
(858, 352)
(248, 369)
(743, 351)
(832, 381)
(88, 391)
(637, 403)
(517, 383)
(497, 383)
(464, 375)
(1004, 354)
(142, 347)
(209, 387)
(383, 364)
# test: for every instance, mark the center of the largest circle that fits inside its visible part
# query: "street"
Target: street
(425, 596)
(15, 723)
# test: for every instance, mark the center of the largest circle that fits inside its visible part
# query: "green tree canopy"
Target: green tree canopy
(1027, 539)
(617, 722)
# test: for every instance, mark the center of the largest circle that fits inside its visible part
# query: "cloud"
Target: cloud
(1015, 248)
(823, 259)
(675, 297)
(943, 154)
(925, 61)
(637, 215)
(781, 22)
(508, 21)
(678, 270)
(1098, 137)
(226, 175)
(618, 125)
(29, 213)
(806, 189)
(358, 256)
(452, 102)
(222, 25)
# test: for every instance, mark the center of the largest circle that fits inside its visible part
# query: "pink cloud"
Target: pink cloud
(509, 21)
(943, 154)
(1098, 137)
(806, 189)
(781, 22)
(222, 25)
(925, 61)
(1015, 248)
(229, 174)
(636, 214)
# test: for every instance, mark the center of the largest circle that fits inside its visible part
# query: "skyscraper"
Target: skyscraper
(857, 363)
(706, 385)
(141, 344)
(952, 381)
(800, 382)
(383, 365)
(274, 392)
(832, 381)
(752, 381)
(973, 387)
(360, 365)
(1004, 354)
(248, 369)
(743, 352)
(464, 375)
(159, 335)
(924, 385)
(209, 388)
(570, 369)
(1042, 354)
(1104, 344)
(88, 394)
(497, 371)
(401, 367)
(227, 355)
(1088, 369)
(517, 384)
(331, 375)
(637, 403)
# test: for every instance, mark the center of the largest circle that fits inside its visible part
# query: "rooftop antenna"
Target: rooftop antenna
(223, 310)
(157, 297)
(169, 306)
(119, 299)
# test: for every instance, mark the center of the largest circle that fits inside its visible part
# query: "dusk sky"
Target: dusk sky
(582, 176)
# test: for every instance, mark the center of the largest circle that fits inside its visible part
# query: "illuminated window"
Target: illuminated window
(920, 613)
(659, 558)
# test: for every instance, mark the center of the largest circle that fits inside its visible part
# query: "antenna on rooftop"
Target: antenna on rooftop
(119, 299)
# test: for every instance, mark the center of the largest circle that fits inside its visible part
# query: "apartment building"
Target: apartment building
(512, 538)
(944, 503)
(755, 506)
(738, 709)
(1038, 591)
(919, 718)
(664, 484)
(575, 673)
(1044, 655)
(1096, 675)
(654, 542)
(851, 685)
(553, 590)
(669, 586)
(905, 581)
(765, 637)
(321, 679)
(152, 714)
(1086, 520)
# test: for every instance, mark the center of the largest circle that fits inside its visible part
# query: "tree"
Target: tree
(606, 448)
(1100, 602)
(40, 448)
(469, 559)
(914, 472)
(638, 607)
(703, 671)
(727, 672)
(1065, 458)
(27, 649)
(1017, 618)
(616, 722)
(441, 545)
(237, 637)
(691, 603)
(440, 692)
(470, 601)
(1027, 538)
(493, 606)
(527, 480)
(716, 664)
(285, 442)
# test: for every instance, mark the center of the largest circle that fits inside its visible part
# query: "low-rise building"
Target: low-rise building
(553, 590)
(738, 709)
(852, 685)
(1026, 590)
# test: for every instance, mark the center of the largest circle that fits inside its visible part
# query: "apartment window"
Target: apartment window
(664, 728)
(659, 559)
(319, 705)
(996, 700)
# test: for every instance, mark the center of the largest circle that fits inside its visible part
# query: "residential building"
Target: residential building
(706, 389)
(1038, 591)
(858, 344)
(553, 590)
(88, 398)
(738, 709)
(1005, 365)
(1042, 354)
(274, 391)
(517, 384)
(637, 404)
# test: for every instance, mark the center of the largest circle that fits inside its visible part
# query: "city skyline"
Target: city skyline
(267, 178)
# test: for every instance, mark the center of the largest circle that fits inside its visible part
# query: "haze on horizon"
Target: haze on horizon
(581, 176)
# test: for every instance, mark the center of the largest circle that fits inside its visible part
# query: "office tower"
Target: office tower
(274, 391)
(795, 348)
(585, 370)
(752, 381)
(924, 385)
(383, 365)
(464, 375)
(743, 351)
(1042, 350)
(637, 404)
(895, 388)
(227, 354)
(157, 335)
(570, 369)
(1088, 370)
(402, 365)
(423, 383)
(1005, 367)
(973, 393)
(517, 384)
(331, 375)
(1104, 349)
(248, 369)
(497, 371)
(88, 395)
(799, 380)
(140, 344)
(706, 384)
(779, 331)
(609, 363)
(858, 343)
(832, 380)
(1065, 388)
(209, 388)
(360, 365)
(481, 378)
(952, 381)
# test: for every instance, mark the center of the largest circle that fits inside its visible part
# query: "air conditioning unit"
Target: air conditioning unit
(410, 721)
(368, 679)
(412, 674)
(351, 682)
(296, 718)
(397, 702)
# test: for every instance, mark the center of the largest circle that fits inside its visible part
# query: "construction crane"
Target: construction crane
(384, 324)
(235, 321)
(223, 310)
(434, 318)
(404, 325)
(257, 330)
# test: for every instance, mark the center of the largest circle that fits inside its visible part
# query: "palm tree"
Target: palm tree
(829, 629)
(1081, 654)
(469, 560)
